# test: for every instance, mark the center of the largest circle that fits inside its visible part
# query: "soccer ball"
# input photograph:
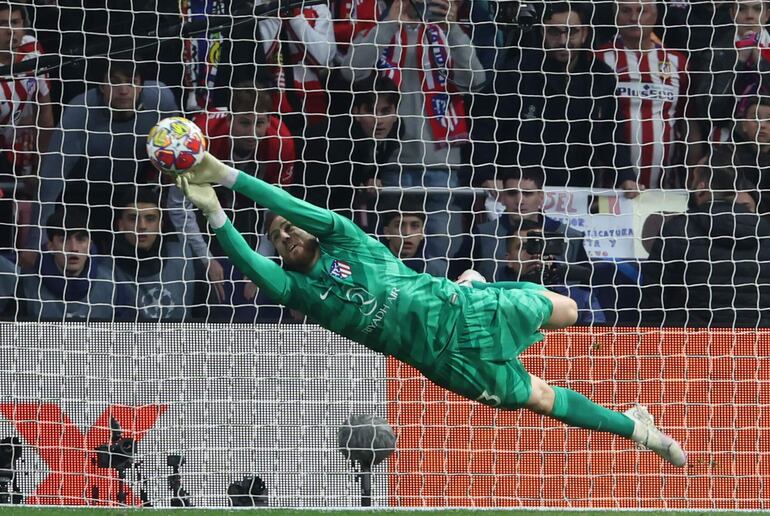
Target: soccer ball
(175, 145)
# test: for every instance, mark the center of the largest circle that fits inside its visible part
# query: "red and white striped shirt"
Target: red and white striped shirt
(651, 95)
(18, 98)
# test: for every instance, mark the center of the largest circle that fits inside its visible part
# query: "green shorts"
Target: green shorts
(480, 362)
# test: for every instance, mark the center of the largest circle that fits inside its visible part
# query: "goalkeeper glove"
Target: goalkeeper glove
(202, 195)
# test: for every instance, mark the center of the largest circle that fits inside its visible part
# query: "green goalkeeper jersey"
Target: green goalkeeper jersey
(357, 288)
(360, 290)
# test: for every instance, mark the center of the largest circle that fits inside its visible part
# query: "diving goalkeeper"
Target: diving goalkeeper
(465, 338)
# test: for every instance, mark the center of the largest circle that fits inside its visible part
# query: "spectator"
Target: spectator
(251, 139)
(525, 262)
(100, 144)
(691, 25)
(99, 148)
(730, 67)
(26, 118)
(300, 48)
(553, 109)
(157, 270)
(70, 283)
(347, 153)
(751, 141)
(404, 230)
(652, 91)
(431, 108)
(710, 266)
(523, 198)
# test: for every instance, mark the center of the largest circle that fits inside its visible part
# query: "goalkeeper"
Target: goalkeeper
(465, 338)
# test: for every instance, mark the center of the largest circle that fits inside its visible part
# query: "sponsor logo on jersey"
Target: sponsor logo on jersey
(647, 91)
(340, 269)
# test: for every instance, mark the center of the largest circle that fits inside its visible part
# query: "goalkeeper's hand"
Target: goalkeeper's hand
(469, 276)
(210, 170)
(203, 196)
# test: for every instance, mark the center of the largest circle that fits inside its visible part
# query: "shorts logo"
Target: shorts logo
(340, 269)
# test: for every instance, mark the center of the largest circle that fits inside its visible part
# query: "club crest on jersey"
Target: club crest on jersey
(666, 70)
(340, 269)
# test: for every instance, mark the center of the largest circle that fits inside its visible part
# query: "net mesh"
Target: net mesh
(611, 151)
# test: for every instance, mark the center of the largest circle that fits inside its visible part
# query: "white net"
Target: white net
(613, 152)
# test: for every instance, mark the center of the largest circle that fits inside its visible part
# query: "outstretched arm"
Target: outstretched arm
(262, 271)
(318, 221)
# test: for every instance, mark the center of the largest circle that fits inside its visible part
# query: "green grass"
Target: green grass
(31, 511)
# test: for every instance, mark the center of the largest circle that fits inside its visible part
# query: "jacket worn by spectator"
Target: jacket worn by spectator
(92, 295)
(161, 282)
(536, 113)
(710, 268)
(723, 79)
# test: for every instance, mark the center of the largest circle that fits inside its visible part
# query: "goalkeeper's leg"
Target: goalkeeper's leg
(574, 409)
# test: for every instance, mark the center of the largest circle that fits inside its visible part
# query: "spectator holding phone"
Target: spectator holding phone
(530, 256)
(523, 198)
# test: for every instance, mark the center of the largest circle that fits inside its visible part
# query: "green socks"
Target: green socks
(574, 409)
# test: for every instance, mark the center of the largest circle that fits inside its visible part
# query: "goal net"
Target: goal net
(613, 152)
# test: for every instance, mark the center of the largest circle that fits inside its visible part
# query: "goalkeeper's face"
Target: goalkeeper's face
(297, 248)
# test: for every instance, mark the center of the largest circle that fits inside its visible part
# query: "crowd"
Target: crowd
(386, 111)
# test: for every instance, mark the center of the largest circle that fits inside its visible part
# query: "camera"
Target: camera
(118, 455)
(248, 492)
(523, 15)
(546, 246)
(546, 243)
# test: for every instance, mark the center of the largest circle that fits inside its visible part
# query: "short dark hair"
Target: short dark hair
(121, 67)
(412, 205)
(145, 194)
(719, 173)
(375, 87)
(582, 9)
(249, 96)
(67, 219)
(534, 174)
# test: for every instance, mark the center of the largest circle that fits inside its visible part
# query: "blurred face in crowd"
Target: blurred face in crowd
(750, 16)
(140, 225)
(298, 248)
(246, 129)
(519, 261)
(756, 126)
(378, 120)
(11, 29)
(745, 198)
(522, 198)
(563, 34)
(635, 20)
(71, 251)
(121, 92)
(405, 234)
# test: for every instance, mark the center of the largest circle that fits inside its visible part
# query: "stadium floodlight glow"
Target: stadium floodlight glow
(366, 441)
